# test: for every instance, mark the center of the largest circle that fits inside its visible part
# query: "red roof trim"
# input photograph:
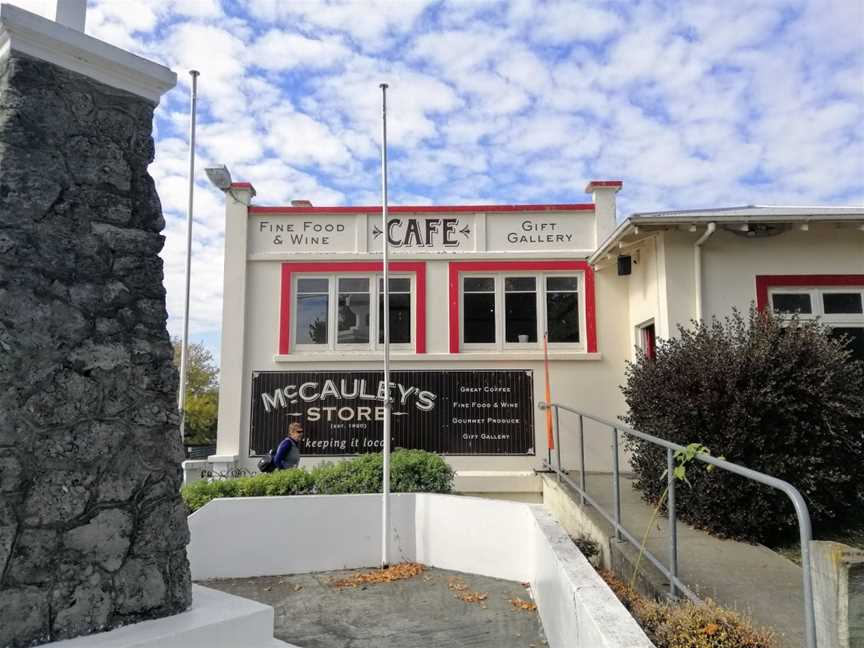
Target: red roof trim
(421, 209)
(603, 183)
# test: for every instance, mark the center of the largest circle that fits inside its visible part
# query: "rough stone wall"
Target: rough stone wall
(93, 532)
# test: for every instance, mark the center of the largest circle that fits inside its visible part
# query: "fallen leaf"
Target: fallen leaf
(297, 588)
(402, 571)
(519, 604)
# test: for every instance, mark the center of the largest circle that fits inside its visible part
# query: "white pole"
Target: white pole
(385, 501)
(184, 349)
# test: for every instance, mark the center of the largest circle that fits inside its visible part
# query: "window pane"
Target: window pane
(478, 284)
(836, 303)
(520, 324)
(311, 319)
(562, 311)
(791, 303)
(520, 283)
(562, 283)
(478, 323)
(353, 316)
(312, 285)
(400, 318)
(856, 342)
(399, 284)
(354, 284)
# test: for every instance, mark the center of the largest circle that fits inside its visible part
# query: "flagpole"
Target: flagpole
(184, 348)
(385, 501)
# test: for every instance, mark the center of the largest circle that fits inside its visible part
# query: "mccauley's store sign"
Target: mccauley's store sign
(457, 412)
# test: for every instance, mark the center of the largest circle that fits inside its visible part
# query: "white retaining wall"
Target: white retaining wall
(259, 536)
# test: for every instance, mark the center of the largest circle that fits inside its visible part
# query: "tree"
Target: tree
(781, 397)
(202, 393)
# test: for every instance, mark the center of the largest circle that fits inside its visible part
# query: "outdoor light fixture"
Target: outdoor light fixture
(220, 176)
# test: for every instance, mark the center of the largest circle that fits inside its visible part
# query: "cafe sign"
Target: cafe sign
(475, 412)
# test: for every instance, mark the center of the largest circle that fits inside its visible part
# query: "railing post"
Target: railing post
(582, 460)
(616, 484)
(558, 443)
(673, 536)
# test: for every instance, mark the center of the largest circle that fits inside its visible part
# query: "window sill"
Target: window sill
(468, 356)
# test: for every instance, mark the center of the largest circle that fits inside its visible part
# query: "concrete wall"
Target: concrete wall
(838, 592)
(284, 535)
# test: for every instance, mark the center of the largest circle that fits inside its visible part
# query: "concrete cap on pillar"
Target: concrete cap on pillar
(67, 46)
(243, 186)
(603, 184)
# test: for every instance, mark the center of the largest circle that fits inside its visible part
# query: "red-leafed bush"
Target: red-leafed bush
(781, 397)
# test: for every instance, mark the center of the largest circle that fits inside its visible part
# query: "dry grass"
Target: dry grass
(688, 625)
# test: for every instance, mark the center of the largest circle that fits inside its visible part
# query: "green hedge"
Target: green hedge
(411, 471)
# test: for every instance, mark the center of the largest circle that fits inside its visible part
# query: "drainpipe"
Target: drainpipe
(697, 256)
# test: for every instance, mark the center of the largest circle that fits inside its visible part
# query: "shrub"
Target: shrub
(282, 482)
(782, 398)
(690, 625)
(410, 471)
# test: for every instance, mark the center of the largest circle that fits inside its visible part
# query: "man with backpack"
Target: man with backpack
(288, 453)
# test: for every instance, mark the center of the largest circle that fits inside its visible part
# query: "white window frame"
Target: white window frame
(842, 320)
(332, 345)
(500, 344)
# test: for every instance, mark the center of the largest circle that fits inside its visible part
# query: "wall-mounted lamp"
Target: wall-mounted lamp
(220, 176)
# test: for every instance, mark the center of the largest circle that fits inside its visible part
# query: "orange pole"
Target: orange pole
(550, 439)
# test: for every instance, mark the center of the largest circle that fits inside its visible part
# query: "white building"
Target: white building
(474, 288)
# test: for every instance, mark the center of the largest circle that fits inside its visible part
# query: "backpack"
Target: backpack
(265, 463)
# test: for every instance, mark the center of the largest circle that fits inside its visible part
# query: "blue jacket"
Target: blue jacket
(287, 454)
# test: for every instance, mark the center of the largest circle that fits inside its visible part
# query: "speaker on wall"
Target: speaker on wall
(625, 265)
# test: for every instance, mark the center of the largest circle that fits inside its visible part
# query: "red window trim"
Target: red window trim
(288, 269)
(496, 266)
(764, 282)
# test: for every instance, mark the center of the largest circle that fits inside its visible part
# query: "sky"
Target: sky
(691, 104)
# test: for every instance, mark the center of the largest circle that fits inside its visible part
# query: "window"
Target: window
(346, 300)
(788, 303)
(400, 311)
(840, 308)
(353, 316)
(648, 340)
(313, 307)
(520, 309)
(513, 310)
(479, 310)
(562, 309)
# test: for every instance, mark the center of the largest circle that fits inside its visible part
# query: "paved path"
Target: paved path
(749, 578)
(421, 612)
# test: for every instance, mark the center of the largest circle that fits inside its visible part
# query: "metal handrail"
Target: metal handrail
(671, 572)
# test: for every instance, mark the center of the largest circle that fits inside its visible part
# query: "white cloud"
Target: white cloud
(492, 102)
(370, 24)
(279, 49)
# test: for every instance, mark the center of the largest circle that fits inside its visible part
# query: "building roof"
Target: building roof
(745, 215)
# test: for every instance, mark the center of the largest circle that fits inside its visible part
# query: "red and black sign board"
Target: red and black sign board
(475, 412)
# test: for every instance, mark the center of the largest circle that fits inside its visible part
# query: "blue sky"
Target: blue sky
(691, 104)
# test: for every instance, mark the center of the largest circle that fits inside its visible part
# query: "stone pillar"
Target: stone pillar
(93, 532)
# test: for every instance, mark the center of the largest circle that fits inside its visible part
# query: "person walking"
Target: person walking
(288, 453)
